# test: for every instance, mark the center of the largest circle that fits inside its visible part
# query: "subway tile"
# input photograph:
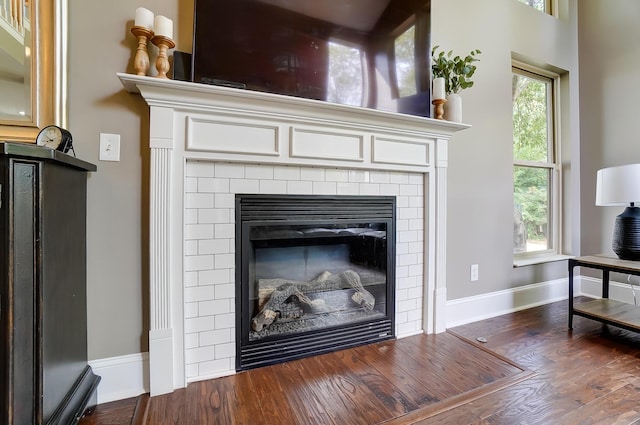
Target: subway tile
(224, 200)
(214, 277)
(225, 231)
(199, 293)
(213, 307)
(213, 246)
(259, 172)
(213, 215)
(324, 188)
(198, 200)
(225, 291)
(222, 351)
(190, 279)
(199, 169)
(312, 174)
(359, 176)
(225, 321)
(348, 188)
(369, 189)
(224, 261)
(220, 336)
(230, 170)
(336, 175)
(380, 177)
(198, 262)
(273, 186)
(191, 341)
(199, 324)
(190, 184)
(198, 355)
(244, 186)
(286, 173)
(213, 185)
(190, 310)
(215, 367)
(299, 188)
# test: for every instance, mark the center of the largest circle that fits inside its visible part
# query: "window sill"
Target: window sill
(539, 259)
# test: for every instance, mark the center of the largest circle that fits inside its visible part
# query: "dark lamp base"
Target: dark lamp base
(626, 234)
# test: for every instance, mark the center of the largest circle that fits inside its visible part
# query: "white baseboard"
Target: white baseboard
(122, 377)
(485, 306)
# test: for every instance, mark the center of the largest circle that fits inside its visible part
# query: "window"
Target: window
(536, 169)
(541, 5)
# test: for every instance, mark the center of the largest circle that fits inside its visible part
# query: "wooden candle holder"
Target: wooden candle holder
(439, 108)
(162, 62)
(141, 59)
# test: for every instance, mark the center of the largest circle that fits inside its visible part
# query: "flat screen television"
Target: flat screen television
(369, 53)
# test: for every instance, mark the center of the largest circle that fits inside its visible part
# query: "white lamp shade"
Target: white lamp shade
(618, 185)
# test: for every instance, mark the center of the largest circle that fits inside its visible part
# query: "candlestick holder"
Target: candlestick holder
(162, 62)
(439, 108)
(141, 59)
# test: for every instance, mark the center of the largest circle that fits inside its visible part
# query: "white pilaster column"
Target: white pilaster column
(439, 307)
(161, 335)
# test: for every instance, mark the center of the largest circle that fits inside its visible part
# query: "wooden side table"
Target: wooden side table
(605, 310)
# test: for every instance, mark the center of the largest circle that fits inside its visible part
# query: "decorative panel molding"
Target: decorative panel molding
(240, 136)
(326, 144)
(402, 151)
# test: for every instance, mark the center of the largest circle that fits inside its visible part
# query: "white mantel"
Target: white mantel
(195, 122)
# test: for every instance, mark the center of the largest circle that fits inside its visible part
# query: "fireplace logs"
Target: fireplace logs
(285, 289)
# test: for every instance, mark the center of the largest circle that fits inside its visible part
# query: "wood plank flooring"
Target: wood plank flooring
(531, 370)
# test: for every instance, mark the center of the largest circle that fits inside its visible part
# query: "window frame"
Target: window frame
(553, 164)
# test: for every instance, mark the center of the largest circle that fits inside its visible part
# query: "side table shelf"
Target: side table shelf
(605, 310)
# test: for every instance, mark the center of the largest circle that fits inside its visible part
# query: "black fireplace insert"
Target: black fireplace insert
(314, 274)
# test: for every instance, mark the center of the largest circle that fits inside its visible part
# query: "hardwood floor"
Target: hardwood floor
(531, 370)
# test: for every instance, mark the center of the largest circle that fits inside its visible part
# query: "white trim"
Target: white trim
(121, 377)
(485, 306)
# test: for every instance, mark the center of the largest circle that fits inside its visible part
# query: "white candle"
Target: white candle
(144, 18)
(163, 26)
(438, 88)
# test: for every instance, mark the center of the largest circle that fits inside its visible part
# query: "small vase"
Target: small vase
(453, 108)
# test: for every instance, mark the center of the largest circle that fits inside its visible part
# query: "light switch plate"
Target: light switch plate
(109, 147)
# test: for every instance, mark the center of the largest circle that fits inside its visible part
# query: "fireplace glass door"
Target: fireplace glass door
(315, 274)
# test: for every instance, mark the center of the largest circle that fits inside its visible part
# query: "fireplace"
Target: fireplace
(314, 274)
(209, 143)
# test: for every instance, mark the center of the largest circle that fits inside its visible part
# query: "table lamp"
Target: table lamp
(621, 186)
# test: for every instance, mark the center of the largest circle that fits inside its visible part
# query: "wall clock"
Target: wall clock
(56, 138)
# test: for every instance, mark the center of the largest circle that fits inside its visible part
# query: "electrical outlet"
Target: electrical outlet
(109, 147)
(474, 272)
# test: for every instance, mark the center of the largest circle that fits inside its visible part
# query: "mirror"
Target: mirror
(32, 37)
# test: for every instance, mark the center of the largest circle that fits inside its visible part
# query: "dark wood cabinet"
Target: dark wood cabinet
(43, 314)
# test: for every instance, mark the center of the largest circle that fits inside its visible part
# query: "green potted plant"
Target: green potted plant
(456, 72)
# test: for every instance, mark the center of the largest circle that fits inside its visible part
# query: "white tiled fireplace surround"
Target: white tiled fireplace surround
(209, 143)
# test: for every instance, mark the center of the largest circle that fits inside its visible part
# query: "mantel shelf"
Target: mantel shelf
(159, 91)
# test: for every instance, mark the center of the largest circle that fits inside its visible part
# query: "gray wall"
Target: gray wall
(480, 177)
(610, 88)
(481, 159)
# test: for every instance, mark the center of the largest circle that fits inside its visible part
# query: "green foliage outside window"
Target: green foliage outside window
(531, 144)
